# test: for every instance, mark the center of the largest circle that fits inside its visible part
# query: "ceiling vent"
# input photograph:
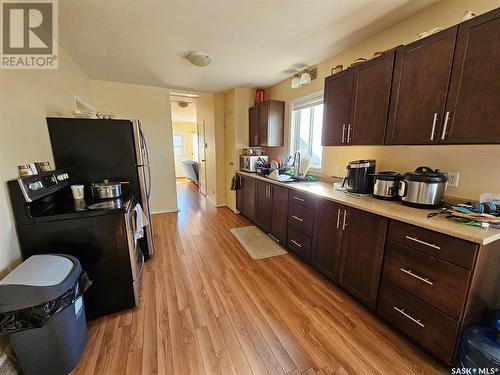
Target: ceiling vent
(199, 58)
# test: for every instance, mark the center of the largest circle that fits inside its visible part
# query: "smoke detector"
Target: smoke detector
(199, 58)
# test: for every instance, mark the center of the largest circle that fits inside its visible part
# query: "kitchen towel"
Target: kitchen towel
(141, 222)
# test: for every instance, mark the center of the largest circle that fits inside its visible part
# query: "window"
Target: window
(178, 145)
(306, 124)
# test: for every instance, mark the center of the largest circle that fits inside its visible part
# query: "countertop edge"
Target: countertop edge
(463, 236)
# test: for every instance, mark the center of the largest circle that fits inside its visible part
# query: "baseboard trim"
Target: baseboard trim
(163, 212)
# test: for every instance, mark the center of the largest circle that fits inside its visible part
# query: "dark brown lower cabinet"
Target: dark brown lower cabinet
(363, 241)
(245, 197)
(271, 213)
(325, 255)
(279, 219)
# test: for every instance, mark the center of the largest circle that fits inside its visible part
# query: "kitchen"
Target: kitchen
(362, 287)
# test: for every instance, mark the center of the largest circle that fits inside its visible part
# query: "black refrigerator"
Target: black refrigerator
(92, 150)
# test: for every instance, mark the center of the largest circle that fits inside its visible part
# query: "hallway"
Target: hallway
(207, 307)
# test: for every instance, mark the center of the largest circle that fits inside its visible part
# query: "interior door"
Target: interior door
(202, 172)
(336, 112)
(473, 100)
(229, 159)
(421, 75)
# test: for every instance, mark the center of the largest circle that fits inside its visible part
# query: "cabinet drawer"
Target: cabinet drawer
(439, 283)
(303, 199)
(452, 249)
(301, 218)
(299, 243)
(427, 326)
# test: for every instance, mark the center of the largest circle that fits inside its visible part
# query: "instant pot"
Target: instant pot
(386, 185)
(423, 188)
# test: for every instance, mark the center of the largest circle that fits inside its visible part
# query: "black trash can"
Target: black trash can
(41, 309)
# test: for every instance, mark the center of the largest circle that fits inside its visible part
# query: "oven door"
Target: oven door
(135, 252)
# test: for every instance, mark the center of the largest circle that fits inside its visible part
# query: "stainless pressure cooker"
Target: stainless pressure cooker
(386, 185)
(106, 189)
(423, 188)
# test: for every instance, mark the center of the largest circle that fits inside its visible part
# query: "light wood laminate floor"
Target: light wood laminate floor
(207, 307)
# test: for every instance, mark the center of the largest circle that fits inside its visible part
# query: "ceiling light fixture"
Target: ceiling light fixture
(303, 78)
(199, 58)
(182, 104)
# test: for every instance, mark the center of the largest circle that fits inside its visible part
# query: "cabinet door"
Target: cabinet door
(473, 106)
(370, 102)
(336, 110)
(327, 238)
(279, 221)
(362, 251)
(275, 123)
(240, 196)
(253, 127)
(264, 206)
(420, 85)
(249, 197)
(262, 122)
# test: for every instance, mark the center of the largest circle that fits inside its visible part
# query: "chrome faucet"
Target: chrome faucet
(296, 164)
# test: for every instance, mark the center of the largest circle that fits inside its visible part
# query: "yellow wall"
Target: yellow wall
(26, 98)
(479, 165)
(152, 106)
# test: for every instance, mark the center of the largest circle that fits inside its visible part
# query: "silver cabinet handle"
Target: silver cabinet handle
(338, 218)
(343, 133)
(424, 279)
(402, 312)
(423, 242)
(348, 133)
(344, 224)
(296, 243)
(272, 237)
(298, 199)
(297, 218)
(446, 119)
(434, 125)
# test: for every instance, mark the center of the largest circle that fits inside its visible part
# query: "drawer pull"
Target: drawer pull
(297, 198)
(402, 312)
(424, 279)
(296, 243)
(297, 218)
(423, 242)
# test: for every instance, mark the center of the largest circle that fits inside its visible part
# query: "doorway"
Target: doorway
(229, 137)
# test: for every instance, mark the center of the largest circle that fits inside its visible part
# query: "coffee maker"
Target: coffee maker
(359, 177)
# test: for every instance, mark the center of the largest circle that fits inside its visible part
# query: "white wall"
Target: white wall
(26, 98)
(152, 106)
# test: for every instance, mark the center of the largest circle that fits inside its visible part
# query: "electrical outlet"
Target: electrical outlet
(453, 178)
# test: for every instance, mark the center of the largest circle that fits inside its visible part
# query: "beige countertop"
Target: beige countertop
(392, 210)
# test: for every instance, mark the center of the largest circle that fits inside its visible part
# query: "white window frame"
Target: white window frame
(305, 101)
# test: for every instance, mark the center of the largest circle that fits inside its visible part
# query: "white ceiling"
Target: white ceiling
(253, 43)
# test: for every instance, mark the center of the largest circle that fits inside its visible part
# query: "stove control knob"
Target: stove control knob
(34, 186)
(66, 176)
(60, 177)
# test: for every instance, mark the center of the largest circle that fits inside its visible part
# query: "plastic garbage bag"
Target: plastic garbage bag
(36, 316)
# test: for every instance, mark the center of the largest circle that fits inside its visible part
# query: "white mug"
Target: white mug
(77, 191)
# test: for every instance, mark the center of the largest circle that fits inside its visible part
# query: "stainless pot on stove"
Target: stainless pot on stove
(423, 188)
(106, 189)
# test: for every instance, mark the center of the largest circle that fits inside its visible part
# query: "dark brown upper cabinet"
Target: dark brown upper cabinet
(253, 128)
(370, 102)
(266, 122)
(473, 107)
(337, 108)
(357, 102)
(420, 85)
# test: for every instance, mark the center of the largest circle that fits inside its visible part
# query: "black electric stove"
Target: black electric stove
(100, 233)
